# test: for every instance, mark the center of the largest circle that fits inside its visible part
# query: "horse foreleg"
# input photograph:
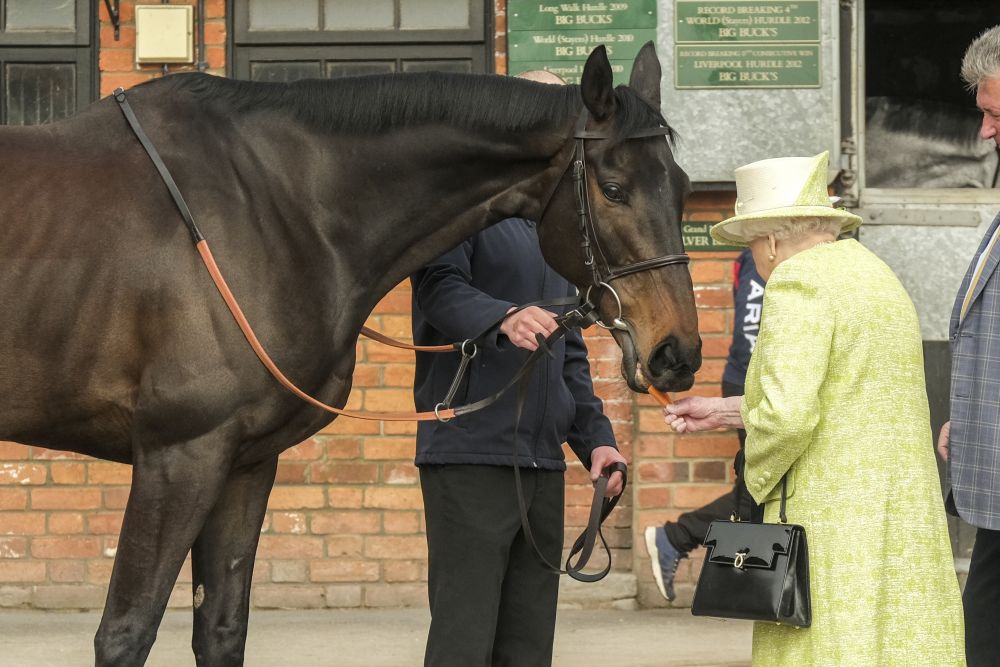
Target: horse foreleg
(173, 489)
(222, 564)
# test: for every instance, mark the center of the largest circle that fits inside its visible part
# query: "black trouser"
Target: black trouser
(492, 602)
(688, 532)
(982, 601)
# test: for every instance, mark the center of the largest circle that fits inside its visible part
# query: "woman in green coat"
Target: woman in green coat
(835, 399)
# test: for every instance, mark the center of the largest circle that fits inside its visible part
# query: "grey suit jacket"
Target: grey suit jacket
(974, 457)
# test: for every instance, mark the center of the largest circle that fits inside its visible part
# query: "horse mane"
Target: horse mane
(924, 118)
(373, 103)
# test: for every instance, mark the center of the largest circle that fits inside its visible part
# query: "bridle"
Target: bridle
(602, 273)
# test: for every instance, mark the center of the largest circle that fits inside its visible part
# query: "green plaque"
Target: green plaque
(576, 44)
(552, 16)
(747, 21)
(559, 36)
(747, 66)
(697, 237)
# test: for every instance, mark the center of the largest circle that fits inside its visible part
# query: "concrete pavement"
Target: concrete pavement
(388, 638)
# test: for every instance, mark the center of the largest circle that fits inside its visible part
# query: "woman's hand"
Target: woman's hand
(697, 413)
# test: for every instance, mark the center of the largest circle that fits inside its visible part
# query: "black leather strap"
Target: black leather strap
(168, 180)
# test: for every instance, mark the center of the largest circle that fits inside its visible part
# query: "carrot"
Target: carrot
(660, 396)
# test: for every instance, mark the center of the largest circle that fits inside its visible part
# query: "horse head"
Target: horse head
(625, 211)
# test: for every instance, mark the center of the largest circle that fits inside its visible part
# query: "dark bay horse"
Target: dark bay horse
(318, 197)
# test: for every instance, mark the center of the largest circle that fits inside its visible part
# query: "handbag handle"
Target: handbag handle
(735, 516)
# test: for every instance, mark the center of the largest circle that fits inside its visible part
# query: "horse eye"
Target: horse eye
(612, 192)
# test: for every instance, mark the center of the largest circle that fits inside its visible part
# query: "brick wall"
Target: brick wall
(344, 526)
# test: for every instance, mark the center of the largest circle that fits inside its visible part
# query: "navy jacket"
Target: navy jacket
(748, 300)
(467, 291)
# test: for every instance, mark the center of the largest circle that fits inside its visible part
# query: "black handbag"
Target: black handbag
(755, 571)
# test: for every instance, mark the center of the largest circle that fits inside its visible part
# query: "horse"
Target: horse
(911, 143)
(318, 197)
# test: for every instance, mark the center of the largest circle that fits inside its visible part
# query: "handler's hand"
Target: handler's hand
(694, 413)
(522, 326)
(602, 457)
(942, 443)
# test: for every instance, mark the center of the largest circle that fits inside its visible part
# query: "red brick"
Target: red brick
(697, 495)
(13, 547)
(389, 448)
(343, 448)
(126, 37)
(345, 426)
(22, 474)
(707, 446)
(345, 497)
(655, 497)
(65, 523)
(58, 499)
(710, 372)
(344, 473)
(215, 33)
(112, 80)
(296, 497)
(22, 523)
(290, 546)
(109, 473)
(345, 523)
(651, 421)
(15, 571)
(715, 346)
(400, 428)
(655, 446)
(399, 473)
(215, 9)
(68, 472)
(378, 353)
(340, 546)
(404, 570)
(115, 498)
(67, 571)
(117, 60)
(713, 297)
(292, 473)
(396, 547)
(662, 471)
(341, 570)
(712, 321)
(396, 301)
(401, 522)
(307, 450)
(397, 498)
(711, 271)
(12, 499)
(366, 375)
(13, 451)
(109, 523)
(709, 471)
(289, 522)
(388, 400)
(66, 547)
(399, 375)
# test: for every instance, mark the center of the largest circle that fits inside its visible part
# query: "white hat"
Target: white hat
(780, 189)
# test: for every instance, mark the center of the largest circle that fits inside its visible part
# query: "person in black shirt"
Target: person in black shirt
(668, 544)
(492, 601)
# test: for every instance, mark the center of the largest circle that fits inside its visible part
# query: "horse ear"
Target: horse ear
(596, 85)
(646, 73)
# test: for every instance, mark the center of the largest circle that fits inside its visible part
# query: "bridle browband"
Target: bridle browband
(602, 273)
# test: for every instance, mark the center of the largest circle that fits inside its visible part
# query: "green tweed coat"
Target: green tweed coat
(835, 397)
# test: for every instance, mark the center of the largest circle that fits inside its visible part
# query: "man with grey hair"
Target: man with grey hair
(970, 441)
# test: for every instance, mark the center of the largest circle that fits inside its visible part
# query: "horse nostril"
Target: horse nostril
(664, 357)
(670, 356)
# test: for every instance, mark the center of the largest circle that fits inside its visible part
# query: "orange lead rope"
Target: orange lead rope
(660, 396)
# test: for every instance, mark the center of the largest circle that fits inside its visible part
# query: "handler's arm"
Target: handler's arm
(444, 293)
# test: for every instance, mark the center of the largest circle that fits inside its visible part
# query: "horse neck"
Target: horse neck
(420, 192)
